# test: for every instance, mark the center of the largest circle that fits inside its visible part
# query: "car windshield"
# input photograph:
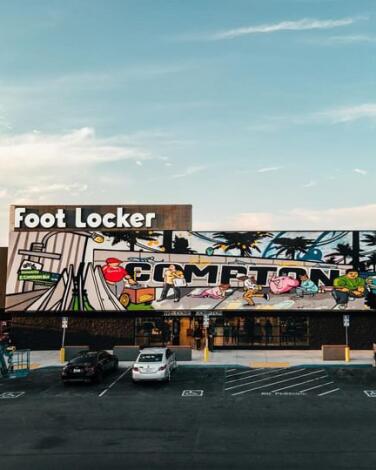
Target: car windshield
(150, 358)
(84, 359)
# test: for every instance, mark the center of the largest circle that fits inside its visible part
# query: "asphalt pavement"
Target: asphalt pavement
(206, 418)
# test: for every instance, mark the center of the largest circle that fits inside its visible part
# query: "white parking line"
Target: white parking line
(242, 373)
(114, 382)
(230, 370)
(253, 375)
(265, 378)
(275, 383)
(300, 383)
(330, 391)
(317, 386)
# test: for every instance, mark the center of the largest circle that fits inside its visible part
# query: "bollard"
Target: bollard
(347, 354)
(62, 355)
(206, 354)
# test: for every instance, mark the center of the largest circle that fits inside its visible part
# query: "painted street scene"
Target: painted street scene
(167, 270)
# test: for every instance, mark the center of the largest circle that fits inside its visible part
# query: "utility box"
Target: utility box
(333, 352)
(182, 353)
(126, 353)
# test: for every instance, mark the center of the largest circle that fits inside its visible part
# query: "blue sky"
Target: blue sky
(262, 114)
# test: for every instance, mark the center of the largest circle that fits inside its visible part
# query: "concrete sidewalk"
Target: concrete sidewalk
(259, 358)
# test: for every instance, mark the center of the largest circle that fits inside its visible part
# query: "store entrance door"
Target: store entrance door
(159, 332)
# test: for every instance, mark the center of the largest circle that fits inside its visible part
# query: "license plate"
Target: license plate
(76, 371)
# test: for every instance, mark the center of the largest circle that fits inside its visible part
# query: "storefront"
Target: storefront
(227, 331)
(140, 275)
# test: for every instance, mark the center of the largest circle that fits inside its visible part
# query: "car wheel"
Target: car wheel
(99, 377)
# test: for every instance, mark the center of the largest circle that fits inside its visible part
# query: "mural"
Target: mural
(171, 270)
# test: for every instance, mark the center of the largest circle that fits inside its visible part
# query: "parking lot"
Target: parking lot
(207, 417)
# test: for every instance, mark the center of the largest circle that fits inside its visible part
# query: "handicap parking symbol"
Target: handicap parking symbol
(370, 393)
(192, 393)
(11, 395)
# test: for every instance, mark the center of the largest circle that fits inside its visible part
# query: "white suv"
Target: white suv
(154, 364)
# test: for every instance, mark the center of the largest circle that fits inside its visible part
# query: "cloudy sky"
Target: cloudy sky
(262, 114)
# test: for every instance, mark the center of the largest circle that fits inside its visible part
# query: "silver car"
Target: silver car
(154, 364)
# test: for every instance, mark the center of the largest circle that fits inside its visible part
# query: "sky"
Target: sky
(261, 114)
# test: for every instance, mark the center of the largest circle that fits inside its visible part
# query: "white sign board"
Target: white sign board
(192, 393)
(11, 395)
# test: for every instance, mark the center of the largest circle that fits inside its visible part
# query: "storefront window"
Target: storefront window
(266, 331)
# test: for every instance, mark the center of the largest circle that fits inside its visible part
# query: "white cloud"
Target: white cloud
(335, 115)
(346, 39)
(53, 188)
(41, 168)
(189, 171)
(268, 169)
(39, 152)
(298, 25)
(360, 171)
(349, 113)
(344, 218)
(310, 184)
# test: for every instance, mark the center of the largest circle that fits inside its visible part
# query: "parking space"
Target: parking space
(280, 381)
(46, 383)
(193, 419)
(215, 382)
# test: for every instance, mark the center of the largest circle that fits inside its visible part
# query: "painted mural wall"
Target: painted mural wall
(171, 270)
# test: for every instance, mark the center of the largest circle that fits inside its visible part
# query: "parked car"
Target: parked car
(154, 364)
(89, 366)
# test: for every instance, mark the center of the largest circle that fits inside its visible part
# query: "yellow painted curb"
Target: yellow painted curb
(276, 365)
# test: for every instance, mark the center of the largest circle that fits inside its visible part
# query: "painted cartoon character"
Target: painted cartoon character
(282, 284)
(171, 279)
(252, 289)
(307, 286)
(217, 292)
(347, 287)
(115, 275)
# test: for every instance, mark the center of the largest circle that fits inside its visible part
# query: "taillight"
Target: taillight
(136, 369)
(162, 367)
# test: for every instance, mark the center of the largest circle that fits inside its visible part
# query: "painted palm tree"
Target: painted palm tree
(371, 261)
(245, 242)
(181, 245)
(369, 239)
(343, 250)
(291, 247)
(132, 237)
(331, 259)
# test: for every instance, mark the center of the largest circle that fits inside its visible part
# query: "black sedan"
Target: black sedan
(89, 366)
